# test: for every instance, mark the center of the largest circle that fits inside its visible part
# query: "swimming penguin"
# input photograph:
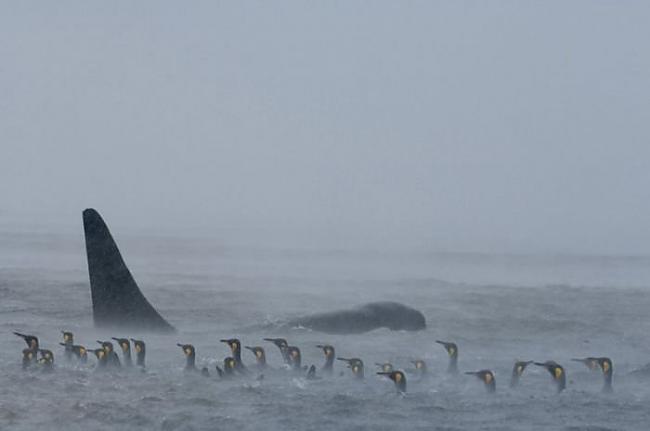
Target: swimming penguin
(126, 350)
(68, 341)
(295, 357)
(356, 365)
(452, 351)
(80, 352)
(29, 357)
(591, 363)
(517, 371)
(281, 344)
(420, 367)
(260, 356)
(140, 352)
(31, 340)
(556, 371)
(386, 367)
(46, 360)
(330, 354)
(190, 356)
(101, 356)
(398, 377)
(235, 348)
(77, 351)
(608, 373)
(229, 367)
(487, 377)
(111, 357)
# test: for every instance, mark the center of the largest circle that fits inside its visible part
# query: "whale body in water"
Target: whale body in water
(119, 302)
(391, 315)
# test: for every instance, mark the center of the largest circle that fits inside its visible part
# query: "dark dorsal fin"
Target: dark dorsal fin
(117, 299)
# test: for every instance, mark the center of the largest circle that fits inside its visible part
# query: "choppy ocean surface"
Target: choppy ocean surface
(496, 308)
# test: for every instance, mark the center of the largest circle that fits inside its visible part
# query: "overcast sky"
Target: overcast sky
(458, 125)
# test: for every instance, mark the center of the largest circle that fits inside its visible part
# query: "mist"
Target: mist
(503, 127)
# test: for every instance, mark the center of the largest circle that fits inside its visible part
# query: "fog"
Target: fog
(445, 126)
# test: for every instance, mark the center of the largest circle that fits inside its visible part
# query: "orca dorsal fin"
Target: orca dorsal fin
(117, 299)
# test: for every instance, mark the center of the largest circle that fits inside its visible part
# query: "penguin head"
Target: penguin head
(124, 344)
(99, 353)
(229, 364)
(188, 349)
(396, 376)
(327, 349)
(138, 345)
(260, 356)
(294, 353)
(386, 367)
(234, 344)
(31, 340)
(68, 337)
(556, 371)
(420, 365)
(280, 342)
(590, 362)
(605, 365)
(451, 348)
(29, 354)
(80, 351)
(355, 364)
(487, 377)
(106, 345)
(520, 366)
(553, 368)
